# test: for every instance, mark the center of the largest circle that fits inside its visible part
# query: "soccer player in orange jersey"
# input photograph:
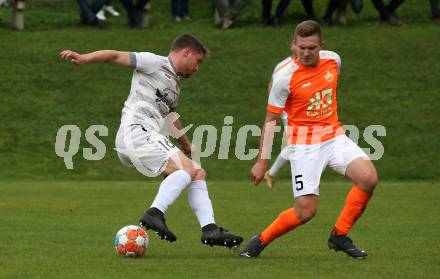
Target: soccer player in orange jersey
(305, 88)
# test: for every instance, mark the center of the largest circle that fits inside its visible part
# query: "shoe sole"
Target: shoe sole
(246, 255)
(162, 234)
(227, 243)
(333, 247)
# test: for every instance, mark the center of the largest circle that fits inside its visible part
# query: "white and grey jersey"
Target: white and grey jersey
(155, 88)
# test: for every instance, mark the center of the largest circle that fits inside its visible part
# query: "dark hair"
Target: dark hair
(188, 40)
(306, 29)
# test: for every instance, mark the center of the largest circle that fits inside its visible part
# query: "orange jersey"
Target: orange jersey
(308, 96)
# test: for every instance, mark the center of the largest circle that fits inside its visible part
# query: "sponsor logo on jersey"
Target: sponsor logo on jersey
(307, 84)
(329, 76)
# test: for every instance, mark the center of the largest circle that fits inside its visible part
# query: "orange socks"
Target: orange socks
(355, 204)
(286, 221)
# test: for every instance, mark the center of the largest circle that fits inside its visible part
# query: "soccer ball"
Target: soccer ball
(131, 241)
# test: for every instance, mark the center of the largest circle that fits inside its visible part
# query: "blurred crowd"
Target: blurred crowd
(226, 12)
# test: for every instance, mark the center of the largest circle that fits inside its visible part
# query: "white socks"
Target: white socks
(198, 199)
(280, 161)
(170, 189)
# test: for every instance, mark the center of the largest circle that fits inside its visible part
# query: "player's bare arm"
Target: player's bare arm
(102, 56)
(259, 168)
(183, 140)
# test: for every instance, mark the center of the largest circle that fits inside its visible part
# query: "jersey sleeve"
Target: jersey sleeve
(281, 65)
(338, 60)
(326, 54)
(146, 62)
(278, 95)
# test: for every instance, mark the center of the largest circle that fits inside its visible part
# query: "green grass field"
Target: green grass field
(389, 77)
(58, 223)
(65, 230)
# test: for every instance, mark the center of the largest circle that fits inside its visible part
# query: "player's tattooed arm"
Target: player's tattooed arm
(101, 56)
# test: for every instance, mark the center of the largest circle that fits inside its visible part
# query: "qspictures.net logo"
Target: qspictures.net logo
(209, 140)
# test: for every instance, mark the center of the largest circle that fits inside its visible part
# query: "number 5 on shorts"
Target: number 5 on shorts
(299, 182)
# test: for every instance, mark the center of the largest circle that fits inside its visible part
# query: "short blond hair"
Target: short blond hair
(306, 29)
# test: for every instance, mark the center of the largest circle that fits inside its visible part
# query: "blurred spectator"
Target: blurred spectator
(180, 9)
(266, 6)
(107, 8)
(308, 7)
(341, 12)
(341, 7)
(88, 11)
(226, 12)
(434, 10)
(3, 3)
(137, 12)
(386, 12)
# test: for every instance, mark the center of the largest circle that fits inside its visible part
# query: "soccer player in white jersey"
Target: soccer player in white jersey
(155, 88)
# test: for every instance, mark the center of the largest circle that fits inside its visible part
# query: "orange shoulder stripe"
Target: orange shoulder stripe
(274, 109)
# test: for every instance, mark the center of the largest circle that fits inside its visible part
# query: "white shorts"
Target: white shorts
(144, 149)
(308, 161)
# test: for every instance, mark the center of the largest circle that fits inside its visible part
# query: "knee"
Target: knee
(191, 171)
(373, 180)
(306, 214)
(369, 180)
(194, 170)
(196, 173)
(200, 174)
